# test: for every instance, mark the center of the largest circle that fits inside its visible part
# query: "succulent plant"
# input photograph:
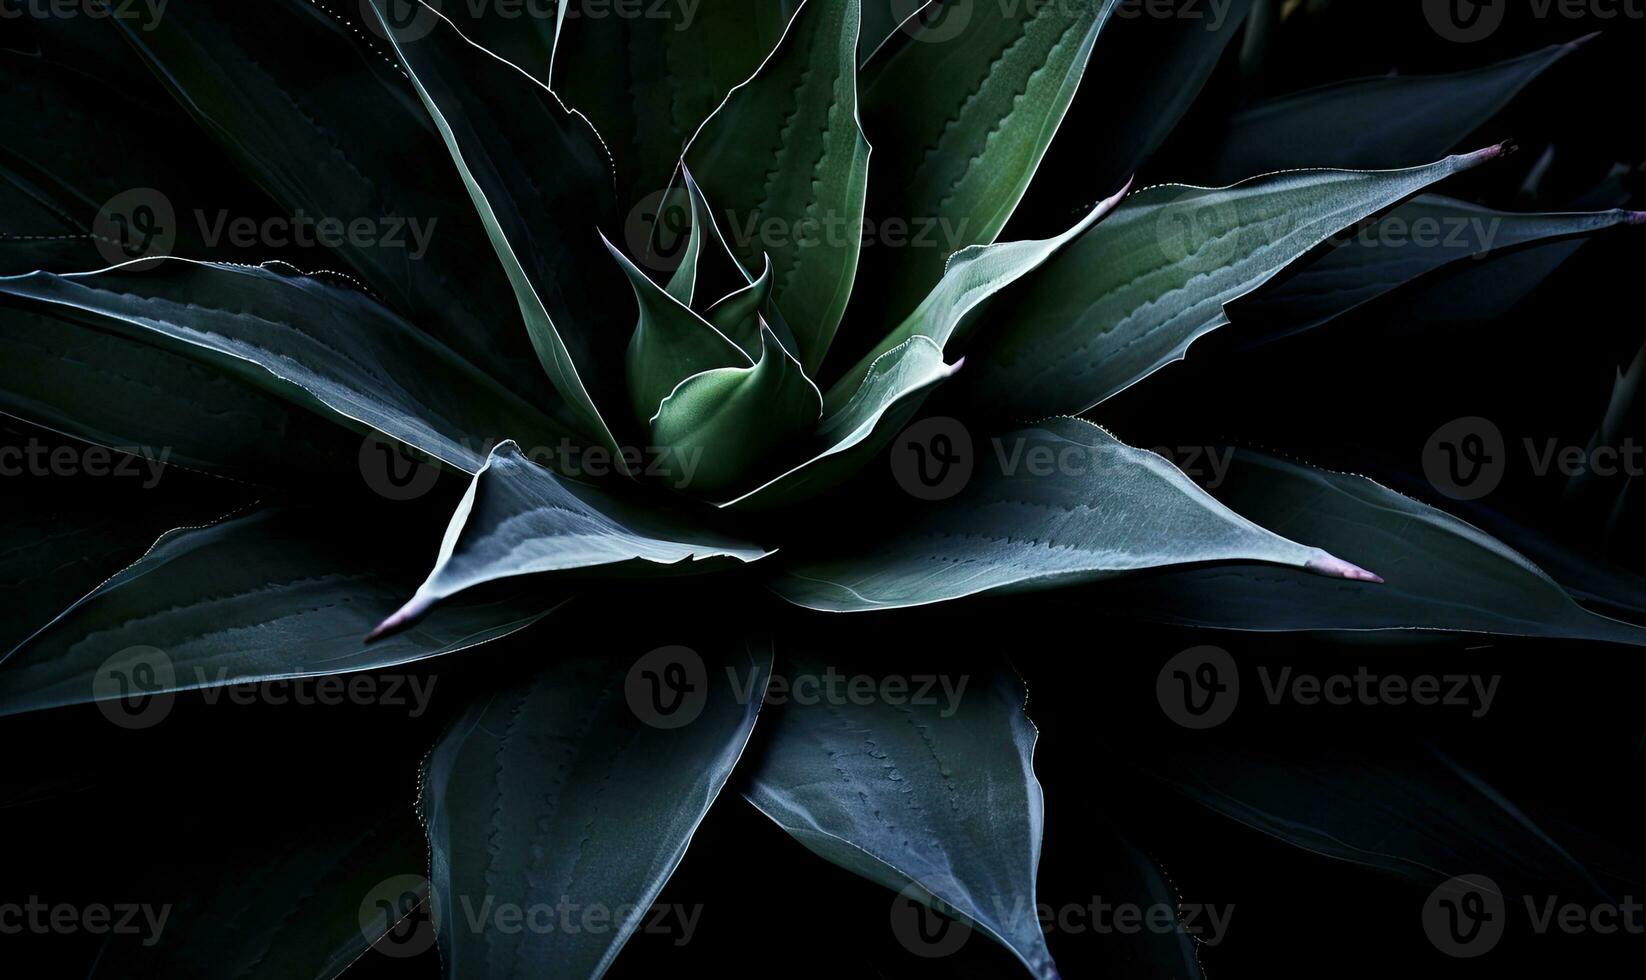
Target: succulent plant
(675, 355)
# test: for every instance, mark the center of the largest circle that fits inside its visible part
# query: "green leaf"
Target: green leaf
(160, 406)
(570, 789)
(1440, 573)
(936, 801)
(306, 99)
(960, 110)
(518, 518)
(739, 314)
(1054, 505)
(732, 419)
(1131, 294)
(317, 342)
(280, 592)
(541, 181)
(873, 401)
(1178, 55)
(648, 82)
(786, 149)
(1373, 123)
(1411, 241)
(670, 344)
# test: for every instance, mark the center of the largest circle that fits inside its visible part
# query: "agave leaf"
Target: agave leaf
(62, 537)
(565, 789)
(1373, 123)
(739, 315)
(731, 419)
(541, 181)
(149, 402)
(876, 398)
(961, 108)
(1098, 509)
(310, 107)
(1441, 573)
(670, 343)
(936, 801)
(1178, 55)
(1371, 265)
(312, 340)
(1412, 812)
(894, 387)
(518, 518)
(648, 82)
(265, 595)
(786, 147)
(1130, 295)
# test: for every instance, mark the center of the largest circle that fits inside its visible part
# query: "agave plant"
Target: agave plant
(729, 321)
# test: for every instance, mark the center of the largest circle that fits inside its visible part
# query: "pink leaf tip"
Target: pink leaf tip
(1334, 567)
(402, 617)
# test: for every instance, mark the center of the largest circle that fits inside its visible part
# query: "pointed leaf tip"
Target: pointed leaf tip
(1334, 567)
(401, 618)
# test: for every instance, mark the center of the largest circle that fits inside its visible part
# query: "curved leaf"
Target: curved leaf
(1417, 238)
(961, 108)
(937, 801)
(312, 340)
(1441, 573)
(670, 344)
(1373, 123)
(1131, 294)
(518, 518)
(1058, 504)
(786, 148)
(541, 182)
(277, 593)
(560, 792)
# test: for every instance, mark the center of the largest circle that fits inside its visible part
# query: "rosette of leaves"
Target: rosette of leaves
(587, 433)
